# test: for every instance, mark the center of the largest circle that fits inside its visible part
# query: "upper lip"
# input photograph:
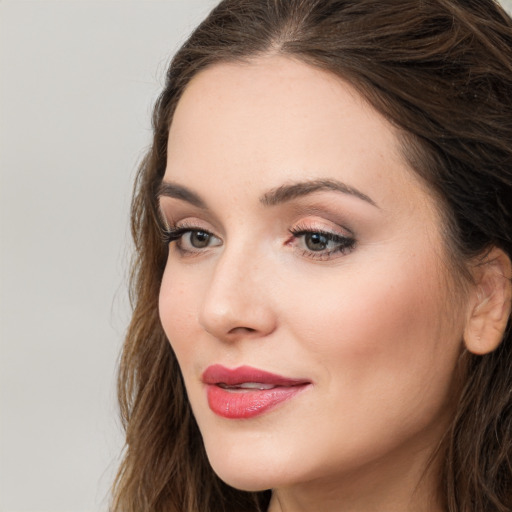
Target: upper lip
(218, 374)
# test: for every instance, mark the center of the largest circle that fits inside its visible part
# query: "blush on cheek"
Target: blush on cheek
(387, 324)
(175, 308)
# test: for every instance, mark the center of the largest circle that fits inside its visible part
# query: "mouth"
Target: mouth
(245, 392)
(246, 385)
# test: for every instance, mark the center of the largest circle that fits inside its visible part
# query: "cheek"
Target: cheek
(178, 313)
(380, 341)
(386, 339)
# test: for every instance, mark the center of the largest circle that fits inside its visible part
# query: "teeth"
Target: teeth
(255, 385)
(248, 385)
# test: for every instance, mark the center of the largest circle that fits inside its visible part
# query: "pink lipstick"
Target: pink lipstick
(245, 392)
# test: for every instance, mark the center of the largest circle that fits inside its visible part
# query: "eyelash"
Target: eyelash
(344, 244)
(176, 233)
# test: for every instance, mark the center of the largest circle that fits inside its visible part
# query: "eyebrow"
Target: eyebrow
(291, 191)
(169, 189)
(273, 197)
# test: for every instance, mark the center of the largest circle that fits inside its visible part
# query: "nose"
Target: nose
(237, 301)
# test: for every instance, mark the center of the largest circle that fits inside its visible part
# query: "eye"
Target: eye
(191, 239)
(320, 244)
(197, 239)
(316, 241)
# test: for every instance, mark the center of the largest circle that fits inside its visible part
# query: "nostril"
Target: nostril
(242, 329)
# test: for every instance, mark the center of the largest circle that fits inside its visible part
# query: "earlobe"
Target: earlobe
(490, 303)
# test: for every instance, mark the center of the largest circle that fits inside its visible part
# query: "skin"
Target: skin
(376, 328)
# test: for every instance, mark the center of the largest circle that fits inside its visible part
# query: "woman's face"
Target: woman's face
(305, 295)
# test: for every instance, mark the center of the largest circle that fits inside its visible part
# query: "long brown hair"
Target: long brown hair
(440, 71)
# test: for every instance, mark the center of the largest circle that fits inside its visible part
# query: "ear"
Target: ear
(490, 302)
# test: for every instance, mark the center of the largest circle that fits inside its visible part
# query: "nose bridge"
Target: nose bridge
(236, 300)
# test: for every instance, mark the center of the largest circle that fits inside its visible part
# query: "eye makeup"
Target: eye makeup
(320, 244)
(190, 239)
(314, 230)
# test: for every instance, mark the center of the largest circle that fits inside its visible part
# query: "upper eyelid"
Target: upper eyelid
(301, 206)
(335, 228)
(329, 234)
(171, 216)
(170, 223)
(324, 220)
(171, 210)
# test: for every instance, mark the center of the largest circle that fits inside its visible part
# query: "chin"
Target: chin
(248, 471)
(245, 482)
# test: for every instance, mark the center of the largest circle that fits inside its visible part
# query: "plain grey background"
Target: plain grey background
(77, 81)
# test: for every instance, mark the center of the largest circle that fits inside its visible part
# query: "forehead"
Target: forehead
(279, 119)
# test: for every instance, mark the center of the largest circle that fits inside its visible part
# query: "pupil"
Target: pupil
(316, 241)
(199, 239)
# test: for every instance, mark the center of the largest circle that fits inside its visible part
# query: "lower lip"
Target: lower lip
(241, 404)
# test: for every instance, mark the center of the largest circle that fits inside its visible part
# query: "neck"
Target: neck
(398, 485)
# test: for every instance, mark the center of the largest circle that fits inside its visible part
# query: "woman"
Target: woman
(322, 289)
